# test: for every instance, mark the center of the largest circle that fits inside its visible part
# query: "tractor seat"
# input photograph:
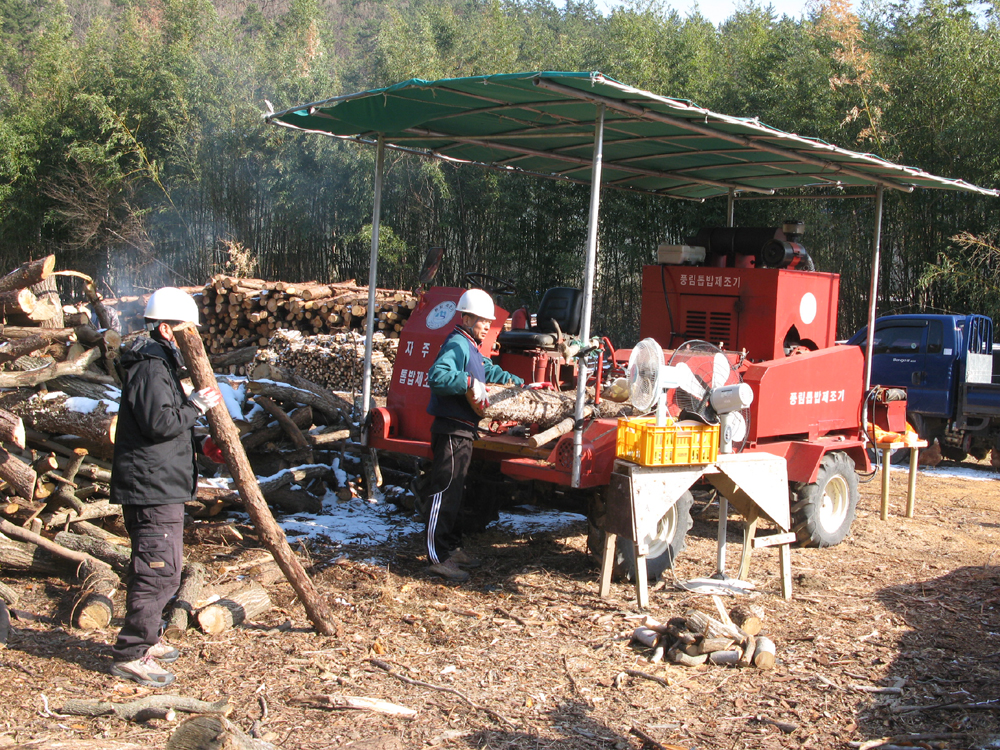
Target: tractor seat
(561, 304)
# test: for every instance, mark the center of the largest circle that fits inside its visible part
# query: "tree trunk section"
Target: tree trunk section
(18, 475)
(115, 556)
(53, 416)
(17, 301)
(749, 617)
(192, 583)
(213, 733)
(48, 294)
(28, 274)
(14, 348)
(31, 378)
(764, 656)
(227, 437)
(239, 607)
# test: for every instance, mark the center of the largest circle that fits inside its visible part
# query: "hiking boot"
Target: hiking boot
(448, 569)
(163, 651)
(463, 559)
(145, 671)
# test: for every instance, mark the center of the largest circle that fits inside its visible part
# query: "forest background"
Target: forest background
(132, 144)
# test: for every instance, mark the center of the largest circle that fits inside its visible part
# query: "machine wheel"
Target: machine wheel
(822, 512)
(664, 548)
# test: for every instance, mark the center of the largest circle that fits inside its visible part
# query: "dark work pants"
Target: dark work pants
(157, 534)
(452, 456)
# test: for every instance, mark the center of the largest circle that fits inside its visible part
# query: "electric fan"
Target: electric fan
(649, 379)
(709, 390)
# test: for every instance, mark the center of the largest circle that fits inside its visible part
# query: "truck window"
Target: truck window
(898, 340)
(935, 337)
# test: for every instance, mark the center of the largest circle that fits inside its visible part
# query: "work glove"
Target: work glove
(206, 398)
(211, 451)
(477, 396)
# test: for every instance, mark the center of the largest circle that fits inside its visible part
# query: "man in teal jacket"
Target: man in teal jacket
(458, 381)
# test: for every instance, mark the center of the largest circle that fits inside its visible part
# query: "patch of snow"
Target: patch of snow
(234, 399)
(960, 472)
(83, 405)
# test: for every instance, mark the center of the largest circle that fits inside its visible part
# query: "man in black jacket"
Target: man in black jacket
(154, 474)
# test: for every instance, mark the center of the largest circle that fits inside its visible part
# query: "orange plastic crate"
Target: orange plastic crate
(675, 444)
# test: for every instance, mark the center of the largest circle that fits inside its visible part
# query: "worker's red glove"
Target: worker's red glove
(211, 450)
(540, 385)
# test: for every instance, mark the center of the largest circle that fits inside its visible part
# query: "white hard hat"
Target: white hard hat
(476, 302)
(171, 304)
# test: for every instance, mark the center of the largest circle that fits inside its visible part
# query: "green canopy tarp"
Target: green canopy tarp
(543, 123)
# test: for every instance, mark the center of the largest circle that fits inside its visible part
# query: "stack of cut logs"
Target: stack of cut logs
(238, 312)
(697, 638)
(333, 360)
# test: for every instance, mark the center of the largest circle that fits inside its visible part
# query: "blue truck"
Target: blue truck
(947, 365)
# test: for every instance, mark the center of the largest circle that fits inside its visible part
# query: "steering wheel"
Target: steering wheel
(492, 284)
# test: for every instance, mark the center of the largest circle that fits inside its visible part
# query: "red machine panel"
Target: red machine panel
(762, 310)
(419, 343)
(808, 395)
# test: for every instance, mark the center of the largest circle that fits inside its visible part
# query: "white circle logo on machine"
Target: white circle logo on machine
(440, 315)
(807, 308)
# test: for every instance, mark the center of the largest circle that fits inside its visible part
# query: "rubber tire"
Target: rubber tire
(662, 552)
(836, 484)
(898, 457)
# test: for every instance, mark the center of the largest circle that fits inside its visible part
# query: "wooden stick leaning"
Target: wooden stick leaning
(227, 437)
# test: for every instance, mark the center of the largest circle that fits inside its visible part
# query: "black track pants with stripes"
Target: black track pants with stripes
(452, 455)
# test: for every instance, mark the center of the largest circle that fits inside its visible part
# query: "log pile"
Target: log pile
(335, 361)
(239, 312)
(698, 638)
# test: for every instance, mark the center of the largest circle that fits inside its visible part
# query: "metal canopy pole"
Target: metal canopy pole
(588, 293)
(366, 387)
(731, 208)
(873, 291)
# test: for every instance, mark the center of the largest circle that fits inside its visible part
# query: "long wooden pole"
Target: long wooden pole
(227, 437)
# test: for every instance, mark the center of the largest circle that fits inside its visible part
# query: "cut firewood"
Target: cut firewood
(212, 732)
(287, 424)
(98, 509)
(237, 608)
(8, 595)
(18, 475)
(322, 400)
(24, 557)
(28, 274)
(764, 656)
(114, 555)
(17, 301)
(14, 348)
(301, 417)
(59, 414)
(226, 436)
(749, 617)
(178, 617)
(75, 366)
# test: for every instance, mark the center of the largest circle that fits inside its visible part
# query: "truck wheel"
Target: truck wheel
(822, 512)
(668, 542)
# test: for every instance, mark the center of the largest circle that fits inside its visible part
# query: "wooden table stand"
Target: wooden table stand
(756, 484)
(911, 490)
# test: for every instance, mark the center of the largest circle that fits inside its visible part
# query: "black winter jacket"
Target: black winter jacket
(154, 460)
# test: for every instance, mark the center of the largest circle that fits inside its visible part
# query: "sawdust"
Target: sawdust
(527, 656)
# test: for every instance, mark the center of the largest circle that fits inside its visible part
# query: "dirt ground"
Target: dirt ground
(893, 634)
